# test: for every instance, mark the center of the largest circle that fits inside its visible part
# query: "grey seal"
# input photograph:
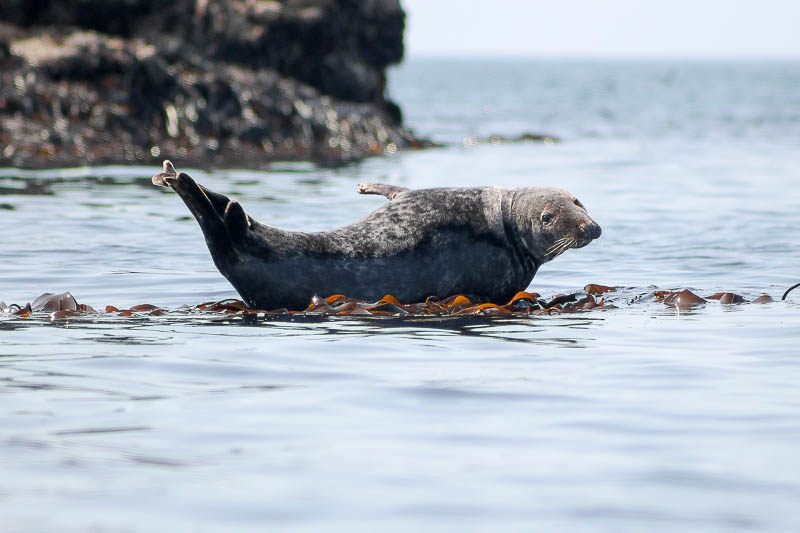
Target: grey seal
(487, 242)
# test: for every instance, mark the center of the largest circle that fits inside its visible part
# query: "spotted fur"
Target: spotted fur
(487, 242)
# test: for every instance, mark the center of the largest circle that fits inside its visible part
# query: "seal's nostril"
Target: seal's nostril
(591, 230)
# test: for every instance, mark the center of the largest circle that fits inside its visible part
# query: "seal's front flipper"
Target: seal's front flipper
(389, 191)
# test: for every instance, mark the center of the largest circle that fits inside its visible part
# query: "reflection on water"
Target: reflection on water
(636, 416)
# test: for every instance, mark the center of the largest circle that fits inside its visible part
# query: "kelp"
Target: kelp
(524, 304)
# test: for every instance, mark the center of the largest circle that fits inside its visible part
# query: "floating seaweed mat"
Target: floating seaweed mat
(63, 306)
(523, 303)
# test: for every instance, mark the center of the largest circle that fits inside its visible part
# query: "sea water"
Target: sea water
(633, 417)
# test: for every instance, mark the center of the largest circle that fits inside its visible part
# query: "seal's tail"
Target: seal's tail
(223, 221)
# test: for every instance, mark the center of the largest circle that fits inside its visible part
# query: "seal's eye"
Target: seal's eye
(547, 217)
(579, 204)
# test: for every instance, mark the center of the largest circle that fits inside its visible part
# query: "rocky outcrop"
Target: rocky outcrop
(209, 83)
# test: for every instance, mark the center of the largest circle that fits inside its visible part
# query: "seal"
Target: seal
(487, 242)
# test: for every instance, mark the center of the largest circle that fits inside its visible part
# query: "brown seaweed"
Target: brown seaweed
(64, 306)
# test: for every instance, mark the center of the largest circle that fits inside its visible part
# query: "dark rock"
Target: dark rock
(206, 83)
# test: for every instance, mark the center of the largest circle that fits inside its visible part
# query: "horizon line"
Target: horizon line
(411, 55)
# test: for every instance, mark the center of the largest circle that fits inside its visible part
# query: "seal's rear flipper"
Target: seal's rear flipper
(168, 173)
(205, 210)
(236, 221)
(168, 178)
(219, 201)
(224, 222)
(389, 191)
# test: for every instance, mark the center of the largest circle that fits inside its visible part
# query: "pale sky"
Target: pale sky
(630, 28)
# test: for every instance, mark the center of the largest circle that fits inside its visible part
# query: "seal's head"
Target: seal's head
(551, 221)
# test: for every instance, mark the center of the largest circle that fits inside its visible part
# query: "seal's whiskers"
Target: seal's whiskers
(556, 244)
(560, 246)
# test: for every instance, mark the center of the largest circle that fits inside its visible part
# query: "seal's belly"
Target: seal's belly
(454, 262)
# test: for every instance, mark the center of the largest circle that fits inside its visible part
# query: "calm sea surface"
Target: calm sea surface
(634, 418)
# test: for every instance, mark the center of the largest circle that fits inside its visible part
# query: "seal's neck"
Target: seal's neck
(513, 228)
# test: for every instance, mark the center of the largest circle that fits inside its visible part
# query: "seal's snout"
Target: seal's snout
(587, 233)
(592, 231)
